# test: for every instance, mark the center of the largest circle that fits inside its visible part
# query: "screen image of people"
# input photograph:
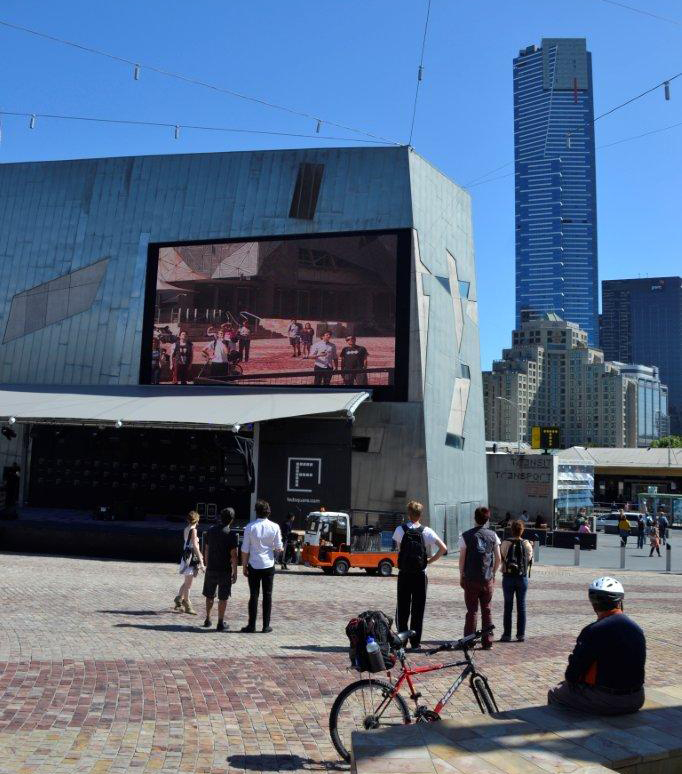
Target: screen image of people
(318, 311)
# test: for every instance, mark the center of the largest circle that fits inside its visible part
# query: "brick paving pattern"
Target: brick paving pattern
(97, 674)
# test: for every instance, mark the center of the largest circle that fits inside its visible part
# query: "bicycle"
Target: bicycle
(371, 703)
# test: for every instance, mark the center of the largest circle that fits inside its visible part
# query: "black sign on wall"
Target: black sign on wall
(305, 465)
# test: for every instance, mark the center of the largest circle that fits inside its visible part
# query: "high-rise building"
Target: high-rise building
(551, 377)
(641, 322)
(556, 207)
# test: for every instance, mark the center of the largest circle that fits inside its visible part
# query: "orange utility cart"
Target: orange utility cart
(328, 545)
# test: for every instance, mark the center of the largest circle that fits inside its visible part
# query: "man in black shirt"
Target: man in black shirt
(220, 555)
(286, 535)
(605, 673)
(354, 362)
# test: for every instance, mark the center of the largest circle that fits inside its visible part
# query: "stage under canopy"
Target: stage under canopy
(190, 407)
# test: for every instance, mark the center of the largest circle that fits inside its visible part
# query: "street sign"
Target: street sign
(545, 437)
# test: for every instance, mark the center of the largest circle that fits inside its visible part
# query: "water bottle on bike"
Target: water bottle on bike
(374, 656)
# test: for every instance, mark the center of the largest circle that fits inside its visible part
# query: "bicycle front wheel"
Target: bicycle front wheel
(484, 696)
(364, 706)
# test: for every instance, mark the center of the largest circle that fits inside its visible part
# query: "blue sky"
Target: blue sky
(355, 61)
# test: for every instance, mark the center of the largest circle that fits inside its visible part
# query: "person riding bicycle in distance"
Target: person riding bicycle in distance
(605, 673)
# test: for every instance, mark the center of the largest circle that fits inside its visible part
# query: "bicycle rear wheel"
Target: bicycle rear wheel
(364, 706)
(484, 696)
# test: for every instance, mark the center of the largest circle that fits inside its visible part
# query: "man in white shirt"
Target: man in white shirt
(262, 538)
(326, 359)
(413, 559)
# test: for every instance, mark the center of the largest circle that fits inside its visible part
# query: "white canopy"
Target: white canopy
(168, 406)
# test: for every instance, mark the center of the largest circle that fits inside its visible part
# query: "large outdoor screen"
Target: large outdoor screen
(297, 311)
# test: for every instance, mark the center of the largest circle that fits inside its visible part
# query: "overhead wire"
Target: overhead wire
(420, 70)
(139, 65)
(32, 116)
(602, 115)
(482, 181)
(643, 12)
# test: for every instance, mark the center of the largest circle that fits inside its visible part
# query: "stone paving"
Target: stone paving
(97, 674)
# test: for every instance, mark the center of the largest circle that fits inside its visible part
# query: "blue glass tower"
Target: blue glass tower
(556, 207)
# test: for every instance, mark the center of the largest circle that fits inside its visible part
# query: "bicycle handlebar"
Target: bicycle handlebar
(465, 643)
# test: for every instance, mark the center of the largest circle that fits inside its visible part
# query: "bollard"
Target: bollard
(576, 552)
(622, 557)
(536, 552)
(668, 556)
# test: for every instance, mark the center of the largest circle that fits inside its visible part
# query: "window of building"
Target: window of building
(306, 191)
(455, 441)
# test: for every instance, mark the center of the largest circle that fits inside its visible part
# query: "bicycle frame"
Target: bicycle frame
(408, 673)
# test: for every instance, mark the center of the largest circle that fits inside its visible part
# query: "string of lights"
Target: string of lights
(420, 70)
(139, 67)
(176, 127)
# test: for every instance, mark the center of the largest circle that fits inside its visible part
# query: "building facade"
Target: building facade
(556, 207)
(641, 322)
(85, 321)
(551, 377)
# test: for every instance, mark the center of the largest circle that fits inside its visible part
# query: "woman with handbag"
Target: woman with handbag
(190, 564)
(517, 557)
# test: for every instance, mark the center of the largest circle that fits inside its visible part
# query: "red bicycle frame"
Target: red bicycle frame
(407, 673)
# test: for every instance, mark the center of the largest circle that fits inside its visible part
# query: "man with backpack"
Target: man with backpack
(517, 557)
(479, 560)
(662, 526)
(413, 541)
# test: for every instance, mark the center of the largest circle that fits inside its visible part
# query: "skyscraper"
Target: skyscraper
(641, 322)
(556, 208)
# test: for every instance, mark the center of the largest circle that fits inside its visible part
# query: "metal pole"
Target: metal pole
(622, 557)
(668, 556)
(576, 552)
(536, 552)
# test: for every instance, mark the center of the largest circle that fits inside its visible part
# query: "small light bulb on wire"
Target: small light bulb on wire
(136, 73)
(319, 126)
(420, 73)
(666, 89)
(176, 134)
(32, 121)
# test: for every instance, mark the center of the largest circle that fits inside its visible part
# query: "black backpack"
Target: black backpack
(516, 562)
(371, 623)
(479, 558)
(412, 556)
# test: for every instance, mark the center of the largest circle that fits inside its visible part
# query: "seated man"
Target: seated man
(605, 673)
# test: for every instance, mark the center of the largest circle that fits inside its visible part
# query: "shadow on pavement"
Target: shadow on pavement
(170, 628)
(317, 648)
(132, 612)
(291, 762)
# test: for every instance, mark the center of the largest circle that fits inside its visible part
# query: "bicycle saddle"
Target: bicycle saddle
(405, 636)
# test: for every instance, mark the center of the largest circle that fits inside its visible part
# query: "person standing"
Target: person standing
(662, 526)
(479, 561)
(190, 564)
(641, 527)
(262, 538)
(413, 541)
(525, 518)
(326, 359)
(182, 359)
(294, 332)
(655, 541)
(354, 362)
(307, 335)
(517, 558)
(623, 528)
(286, 537)
(244, 341)
(220, 556)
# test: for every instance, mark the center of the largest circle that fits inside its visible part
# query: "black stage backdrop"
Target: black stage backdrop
(303, 465)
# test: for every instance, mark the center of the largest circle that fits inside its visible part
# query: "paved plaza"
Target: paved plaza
(97, 674)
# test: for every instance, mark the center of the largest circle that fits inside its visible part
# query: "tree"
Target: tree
(669, 442)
